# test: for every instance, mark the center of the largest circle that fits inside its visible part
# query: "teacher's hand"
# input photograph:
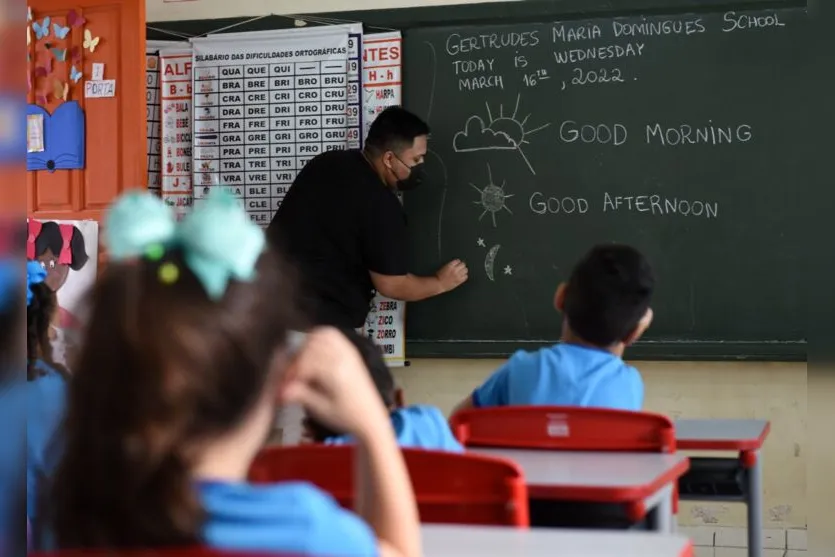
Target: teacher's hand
(452, 275)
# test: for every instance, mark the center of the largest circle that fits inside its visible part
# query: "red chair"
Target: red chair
(566, 428)
(450, 488)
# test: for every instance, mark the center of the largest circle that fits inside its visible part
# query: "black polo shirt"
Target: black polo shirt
(337, 222)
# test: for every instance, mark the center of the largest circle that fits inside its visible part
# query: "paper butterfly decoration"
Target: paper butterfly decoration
(59, 53)
(41, 29)
(75, 54)
(74, 19)
(60, 32)
(75, 75)
(63, 136)
(90, 43)
(60, 90)
(45, 69)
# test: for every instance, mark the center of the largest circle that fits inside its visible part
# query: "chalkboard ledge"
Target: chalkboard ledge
(654, 350)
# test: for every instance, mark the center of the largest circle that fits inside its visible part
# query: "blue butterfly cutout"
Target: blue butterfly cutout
(59, 53)
(41, 29)
(75, 75)
(60, 32)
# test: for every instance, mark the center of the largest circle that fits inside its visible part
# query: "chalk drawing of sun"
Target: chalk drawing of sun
(493, 198)
(504, 133)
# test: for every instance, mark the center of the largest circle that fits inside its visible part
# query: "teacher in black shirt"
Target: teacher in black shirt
(342, 224)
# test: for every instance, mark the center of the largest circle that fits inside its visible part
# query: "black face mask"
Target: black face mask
(417, 175)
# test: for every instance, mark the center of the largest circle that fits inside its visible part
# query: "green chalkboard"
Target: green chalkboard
(687, 135)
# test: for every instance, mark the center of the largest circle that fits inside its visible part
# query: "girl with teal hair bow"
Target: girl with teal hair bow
(189, 350)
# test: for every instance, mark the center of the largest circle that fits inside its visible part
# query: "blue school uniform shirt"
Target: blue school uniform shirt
(563, 375)
(292, 518)
(417, 427)
(12, 433)
(46, 400)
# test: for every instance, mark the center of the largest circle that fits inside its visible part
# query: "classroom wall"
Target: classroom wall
(162, 10)
(774, 391)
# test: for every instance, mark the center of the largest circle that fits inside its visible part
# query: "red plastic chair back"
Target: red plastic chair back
(564, 428)
(450, 488)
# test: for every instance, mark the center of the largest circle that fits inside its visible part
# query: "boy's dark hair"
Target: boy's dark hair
(163, 369)
(39, 315)
(394, 129)
(609, 292)
(380, 374)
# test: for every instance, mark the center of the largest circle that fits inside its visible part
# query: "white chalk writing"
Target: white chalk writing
(659, 205)
(735, 22)
(685, 134)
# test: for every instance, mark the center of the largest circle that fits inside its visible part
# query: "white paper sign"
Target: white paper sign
(98, 71)
(100, 89)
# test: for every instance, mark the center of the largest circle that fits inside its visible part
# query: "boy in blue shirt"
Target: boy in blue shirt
(423, 427)
(605, 307)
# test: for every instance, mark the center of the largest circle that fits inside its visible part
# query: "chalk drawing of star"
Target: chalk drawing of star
(508, 270)
(481, 243)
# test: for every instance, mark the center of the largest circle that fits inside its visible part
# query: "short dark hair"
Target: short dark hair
(394, 129)
(380, 374)
(609, 292)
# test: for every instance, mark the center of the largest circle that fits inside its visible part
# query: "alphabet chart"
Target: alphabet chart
(176, 107)
(263, 107)
(382, 87)
(152, 112)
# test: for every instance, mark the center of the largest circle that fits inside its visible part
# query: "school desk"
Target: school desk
(737, 478)
(480, 541)
(641, 482)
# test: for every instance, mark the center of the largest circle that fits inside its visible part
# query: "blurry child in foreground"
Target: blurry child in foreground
(423, 427)
(605, 307)
(12, 397)
(174, 393)
(46, 388)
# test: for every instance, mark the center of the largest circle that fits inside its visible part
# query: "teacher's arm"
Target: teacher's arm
(412, 288)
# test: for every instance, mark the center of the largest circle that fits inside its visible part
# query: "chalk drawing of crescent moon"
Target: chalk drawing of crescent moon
(490, 261)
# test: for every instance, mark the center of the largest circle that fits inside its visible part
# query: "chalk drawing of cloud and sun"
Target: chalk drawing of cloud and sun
(505, 133)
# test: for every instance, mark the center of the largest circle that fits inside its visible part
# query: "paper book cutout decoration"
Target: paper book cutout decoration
(63, 138)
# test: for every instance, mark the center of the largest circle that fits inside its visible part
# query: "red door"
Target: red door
(115, 158)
